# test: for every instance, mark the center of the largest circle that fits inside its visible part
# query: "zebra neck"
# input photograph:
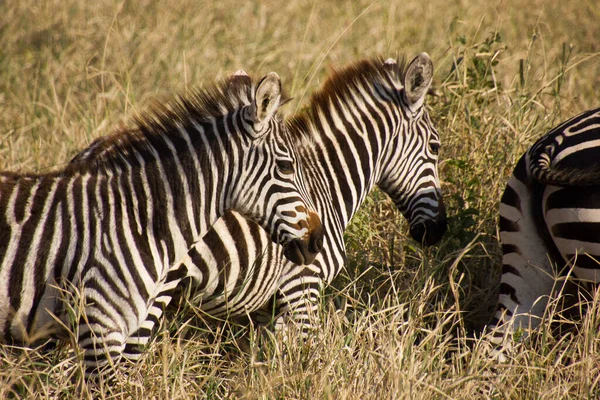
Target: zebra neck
(344, 164)
(171, 201)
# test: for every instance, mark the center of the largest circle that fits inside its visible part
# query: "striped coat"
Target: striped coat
(95, 241)
(549, 223)
(367, 126)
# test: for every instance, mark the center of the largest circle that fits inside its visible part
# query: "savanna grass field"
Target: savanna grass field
(401, 322)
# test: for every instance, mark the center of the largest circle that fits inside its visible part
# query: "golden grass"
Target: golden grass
(398, 322)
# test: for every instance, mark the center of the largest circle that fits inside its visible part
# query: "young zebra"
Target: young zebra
(367, 126)
(104, 231)
(549, 224)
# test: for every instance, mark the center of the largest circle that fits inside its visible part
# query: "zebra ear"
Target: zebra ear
(267, 98)
(417, 80)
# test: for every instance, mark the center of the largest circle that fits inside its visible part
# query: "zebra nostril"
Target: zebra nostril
(316, 244)
(279, 238)
(417, 232)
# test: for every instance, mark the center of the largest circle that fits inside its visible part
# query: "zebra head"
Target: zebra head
(248, 155)
(409, 175)
(270, 189)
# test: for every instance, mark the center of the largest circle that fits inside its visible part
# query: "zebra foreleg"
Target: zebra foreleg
(170, 289)
(102, 343)
(297, 303)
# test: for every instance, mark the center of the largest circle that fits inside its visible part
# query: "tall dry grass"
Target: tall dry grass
(401, 320)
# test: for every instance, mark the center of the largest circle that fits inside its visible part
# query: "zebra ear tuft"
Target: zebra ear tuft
(417, 80)
(267, 98)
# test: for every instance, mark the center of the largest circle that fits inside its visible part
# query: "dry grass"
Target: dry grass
(397, 323)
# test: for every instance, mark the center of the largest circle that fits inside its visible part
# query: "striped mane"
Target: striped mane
(164, 120)
(344, 83)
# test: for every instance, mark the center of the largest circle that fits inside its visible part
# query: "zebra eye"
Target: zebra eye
(286, 167)
(434, 147)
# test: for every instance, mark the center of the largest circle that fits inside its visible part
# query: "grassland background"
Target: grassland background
(398, 322)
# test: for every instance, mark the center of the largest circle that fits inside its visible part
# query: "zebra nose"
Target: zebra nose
(304, 251)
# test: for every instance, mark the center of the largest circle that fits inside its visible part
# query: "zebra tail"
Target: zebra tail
(563, 176)
(569, 154)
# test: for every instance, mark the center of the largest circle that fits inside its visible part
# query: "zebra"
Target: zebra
(104, 231)
(549, 225)
(368, 125)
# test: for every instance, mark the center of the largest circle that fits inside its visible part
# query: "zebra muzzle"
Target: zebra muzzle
(429, 232)
(304, 251)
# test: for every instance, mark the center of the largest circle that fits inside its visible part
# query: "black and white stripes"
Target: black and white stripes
(549, 222)
(100, 236)
(367, 126)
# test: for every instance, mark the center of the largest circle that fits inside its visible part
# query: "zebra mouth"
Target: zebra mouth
(304, 252)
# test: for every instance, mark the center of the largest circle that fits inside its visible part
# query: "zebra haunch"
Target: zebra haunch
(104, 231)
(549, 225)
(366, 126)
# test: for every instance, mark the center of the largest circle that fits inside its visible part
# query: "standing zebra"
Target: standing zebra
(367, 126)
(104, 232)
(549, 222)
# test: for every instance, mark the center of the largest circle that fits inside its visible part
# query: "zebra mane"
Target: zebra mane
(199, 105)
(346, 82)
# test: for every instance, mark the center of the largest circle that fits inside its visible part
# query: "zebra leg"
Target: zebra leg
(104, 346)
(527, 277)
(137, 341)
(100, 337)
(297, 298)
(297, 302)
(170, 289)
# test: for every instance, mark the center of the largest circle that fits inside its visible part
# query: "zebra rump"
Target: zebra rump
(549, 224)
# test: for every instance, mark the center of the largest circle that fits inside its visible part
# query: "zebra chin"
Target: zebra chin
(429, 232)
(304, 252)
